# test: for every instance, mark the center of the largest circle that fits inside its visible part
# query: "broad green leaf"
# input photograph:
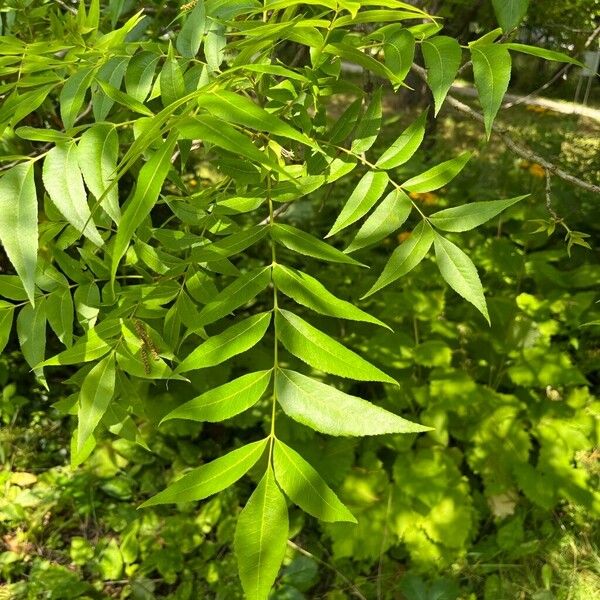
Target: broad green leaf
(172, 85)
(305, 487)
(323, 352)
(235, 108)
(236, 339)
(60, 314)
(224, 401)
(460, 273)
(97, 390)
(328, 410)
(140, 73)
(406, 257)
(345, 123)
(147, 190)
(31, 331)
(308, 245)
(64, 184)
(240, 292)
(190, 37)
(543, 53)
(442, 57)
(438, 176)
(491, 70)
(510, 13)
(111, 75)
(306, 290)
(210, 478)
(7, 311)
(399, 52)
(72, 95)
(11, 287)
(469, 216)
(214, 45)
(369, 126)
(97, 152)
(386, 218)
(369, 189)
(403, 149)
(260, 538)
(19, 223)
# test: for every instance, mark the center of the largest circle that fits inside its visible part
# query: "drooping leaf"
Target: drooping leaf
(442, 55)
(72, 95)
(491, 69)
(305, 487)
(240, 292)
(403, 149)
(19, 223)
(236, 339)
(97, 152)
(147, 189)
(308, 245)
(510, 13)
(306, 290)
(190, 37)
(543, 53)
(369, 189)
(97, 391)
(406, 257)
(224, 401)
(261, 538)
(389, 216)
(460, 273)
(64, 183)
(399, 52)
(369, 126)
(469, 216)
(328, 410)
(323, 352)
(437, 176)
(210, 478)
(31, 331)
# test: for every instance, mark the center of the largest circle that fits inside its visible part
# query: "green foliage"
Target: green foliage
(164, 285)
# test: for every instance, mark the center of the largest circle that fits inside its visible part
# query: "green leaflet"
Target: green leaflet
(305, 487)
(97, 153)
(224, 401)
(403, 149)
(116, 95)
(31, 331)
(369, 189)
(240, 292)
(147, 189)
(442, 57)
(369, 126)
(260, 538)
(345, 124)
(210, 478)
(236, 339)
(469, 216)
(96, 393)
(460, 273)
(510, 13)
(7, 311)
(60, 314)
(438, 176)
(306, 290)
(491, 69)
(543, 53)
(140, 73)
(235, 108)
(110, 75)
(399, 52)
(64, 184)
(406, 257)
(322, 352)
(172, 85)
(11, 287)
(386, 218)
(19, 223)
(72, 95)
(308, 245)
(190, 37)
(328, 410)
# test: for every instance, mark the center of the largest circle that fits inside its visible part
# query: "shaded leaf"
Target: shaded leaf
(369, 126)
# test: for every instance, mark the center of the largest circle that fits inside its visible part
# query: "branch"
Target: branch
(512, 145)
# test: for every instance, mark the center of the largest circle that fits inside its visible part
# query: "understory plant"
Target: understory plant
(146, 211)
